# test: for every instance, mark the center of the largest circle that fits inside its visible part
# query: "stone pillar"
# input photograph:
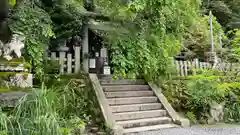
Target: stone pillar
(85, 49)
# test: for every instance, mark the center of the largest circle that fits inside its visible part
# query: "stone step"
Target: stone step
(129, 94)
(136, 107)
(122, 82)
(139, 115)
(147, 128)
(101, 133)
(132, 100)
(108, 88)
(144, 122)
(102, 76)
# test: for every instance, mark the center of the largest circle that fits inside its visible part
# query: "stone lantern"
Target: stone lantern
(106, 67)
(211, 57)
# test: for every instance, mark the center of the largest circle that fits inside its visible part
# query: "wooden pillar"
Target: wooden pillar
(69, 63)
(85, 50)
(62, 57)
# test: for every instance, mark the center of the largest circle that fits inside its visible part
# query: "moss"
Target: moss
(5, 77)
(12, 89)
(15, 62)
(7, 74)
(27, 65)
(21, 59)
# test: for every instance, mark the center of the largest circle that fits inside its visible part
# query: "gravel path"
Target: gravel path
(193, 131)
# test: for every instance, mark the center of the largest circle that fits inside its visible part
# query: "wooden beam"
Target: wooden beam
(85, 49)
(93, 15)
(104, 26)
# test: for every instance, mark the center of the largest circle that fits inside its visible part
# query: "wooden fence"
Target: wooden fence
(185, 68)
(69, 63)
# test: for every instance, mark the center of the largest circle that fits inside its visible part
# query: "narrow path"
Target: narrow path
(193, 131)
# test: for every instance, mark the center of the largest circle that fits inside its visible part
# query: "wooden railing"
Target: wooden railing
(185, 68)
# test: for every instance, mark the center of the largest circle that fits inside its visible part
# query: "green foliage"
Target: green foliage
(236, 42)
(36, 25)
(12, 2)
(43, 22)
(191, 116)
(67, 18)
(203, 94)
(176, 93)
(194, 94)
(62, 108)
(156, 29)
(3, 133)
(231, 111)
(226, 11)
(197, 37)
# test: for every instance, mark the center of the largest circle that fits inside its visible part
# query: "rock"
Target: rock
(94, 129)
(185, 122)
(202, 121)
(217, 111)
(210, 121)
(118, 130)
(10, 99)
(21, 80)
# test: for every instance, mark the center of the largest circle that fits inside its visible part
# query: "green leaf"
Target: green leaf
(12, 2)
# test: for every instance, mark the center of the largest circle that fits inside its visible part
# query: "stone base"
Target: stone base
(22, 80)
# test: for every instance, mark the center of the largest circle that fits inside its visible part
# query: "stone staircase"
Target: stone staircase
(134, 105)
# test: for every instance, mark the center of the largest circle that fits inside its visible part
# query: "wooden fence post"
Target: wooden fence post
(69, 63)
(62, 61)
(185, 68)
(62, 57)
(77, 59)
(181, 68)
(177, 68)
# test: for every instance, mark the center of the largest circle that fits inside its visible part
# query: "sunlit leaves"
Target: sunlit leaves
(12, 2)
(236, 42)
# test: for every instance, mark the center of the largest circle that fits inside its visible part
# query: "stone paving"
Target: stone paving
(193, 131)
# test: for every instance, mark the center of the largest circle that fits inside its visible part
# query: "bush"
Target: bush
(194, 94)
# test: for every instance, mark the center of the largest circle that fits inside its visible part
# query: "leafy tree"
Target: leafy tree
(226, 11)
(44, 21)
(197, 38)
(156, 30)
